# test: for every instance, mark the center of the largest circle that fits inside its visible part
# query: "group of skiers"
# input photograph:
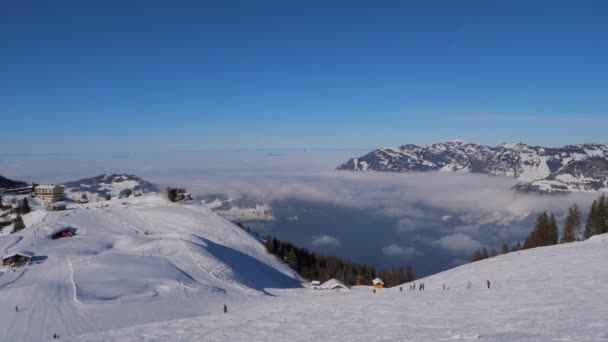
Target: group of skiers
(412, 286)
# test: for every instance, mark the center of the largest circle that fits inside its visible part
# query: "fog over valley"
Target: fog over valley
(432, 220)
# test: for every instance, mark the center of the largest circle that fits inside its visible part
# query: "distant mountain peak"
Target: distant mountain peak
(113, 184)
(581, 167)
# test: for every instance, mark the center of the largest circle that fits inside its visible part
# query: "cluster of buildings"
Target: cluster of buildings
(334, 284)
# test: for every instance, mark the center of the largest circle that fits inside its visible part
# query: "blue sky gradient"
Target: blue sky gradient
(99, 76)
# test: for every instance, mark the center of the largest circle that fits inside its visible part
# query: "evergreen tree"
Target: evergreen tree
(504, 249)
(476, 255)
(572, 225)
(18, 224)
(172, 194)
(552, 232)
(602, 209)
(292, 259)
(484, 253)
(539, 234)
(409, 274)
(594, 220)
(516, 247)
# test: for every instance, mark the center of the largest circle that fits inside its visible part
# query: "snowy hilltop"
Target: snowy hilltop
(110, 184)
(123, 262)
(543, 294)
(540, 169)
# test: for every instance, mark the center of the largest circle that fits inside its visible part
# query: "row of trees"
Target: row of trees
(546, 230)
(320, 267)
(482, 253)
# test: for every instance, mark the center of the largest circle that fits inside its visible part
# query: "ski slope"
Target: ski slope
(133, 261)
(556, 293)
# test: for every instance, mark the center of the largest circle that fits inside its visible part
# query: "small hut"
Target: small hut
(17, 259)
(378, 283)
(315, 284)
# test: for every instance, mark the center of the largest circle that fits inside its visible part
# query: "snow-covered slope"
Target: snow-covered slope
(133, 261)
(554, 293)
(115, 185)
(569, 168)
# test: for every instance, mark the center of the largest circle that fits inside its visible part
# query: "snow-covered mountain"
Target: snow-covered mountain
(544, 294)
(541, 169)
(132, 261)
(115, 185)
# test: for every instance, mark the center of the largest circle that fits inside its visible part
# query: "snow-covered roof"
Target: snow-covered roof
(315, 282)
(25, 253)
(377, 281)
(47, 187)
(332, 284)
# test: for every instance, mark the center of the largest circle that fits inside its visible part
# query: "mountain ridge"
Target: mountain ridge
(580, 167)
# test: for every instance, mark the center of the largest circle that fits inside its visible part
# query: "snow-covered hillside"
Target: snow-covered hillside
(115, 185)
(132, 261)
(554, 293)
(570, 168)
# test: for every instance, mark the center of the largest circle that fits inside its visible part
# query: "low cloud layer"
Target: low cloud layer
(452, 211)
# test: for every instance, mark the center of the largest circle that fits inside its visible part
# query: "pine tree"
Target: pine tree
(516, 247)
(572, 225)
(292, 260)
(594, 219)
(476, 255)
(484, 253)
(602, 209)
(409, 273)
(504, 249)
(172, 194)
(18, 224)
(552, 232)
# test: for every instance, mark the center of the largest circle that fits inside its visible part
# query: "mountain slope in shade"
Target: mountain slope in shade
(541, 169)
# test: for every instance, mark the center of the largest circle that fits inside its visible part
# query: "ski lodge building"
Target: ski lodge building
(52, 193)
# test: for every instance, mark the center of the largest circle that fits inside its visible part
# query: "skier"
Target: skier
(469, 286)
(421, 288)
(225, 309)
(16, 308)
(374, 290)
(488, 283)
(400, 288)
(443, 286)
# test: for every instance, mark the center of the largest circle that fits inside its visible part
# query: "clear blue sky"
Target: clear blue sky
(80, 76)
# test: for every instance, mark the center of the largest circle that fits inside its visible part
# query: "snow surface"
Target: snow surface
(545, 294)
(132, 261)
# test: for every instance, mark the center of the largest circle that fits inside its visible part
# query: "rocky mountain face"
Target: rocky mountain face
(581, 167)
(115, 185)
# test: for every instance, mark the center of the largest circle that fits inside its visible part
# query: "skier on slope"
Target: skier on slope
(421, 287)
(488, 283)
(225, 309)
